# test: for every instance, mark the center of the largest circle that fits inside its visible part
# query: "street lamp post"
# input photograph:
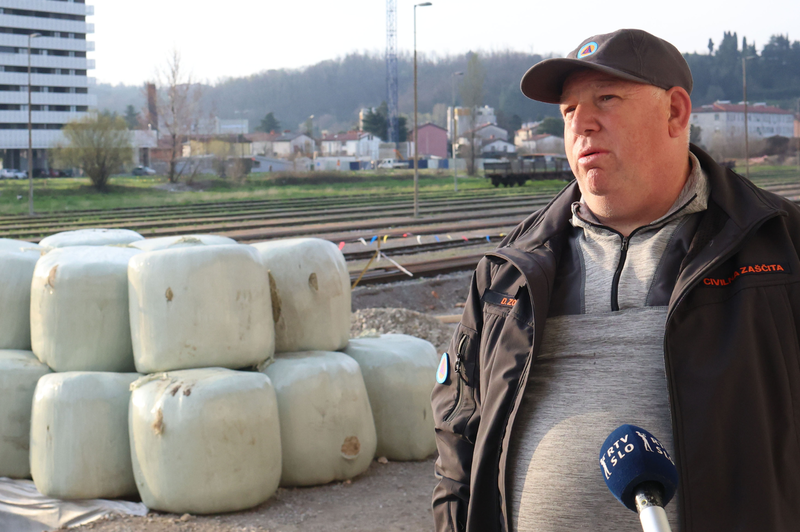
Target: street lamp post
(746, 132)
(30, 129)
(416, 140)
(454, 130)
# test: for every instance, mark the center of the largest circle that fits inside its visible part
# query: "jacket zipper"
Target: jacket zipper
(623, 254)
(457, 369)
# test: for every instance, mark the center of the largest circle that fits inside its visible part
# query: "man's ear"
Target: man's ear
(680, 109)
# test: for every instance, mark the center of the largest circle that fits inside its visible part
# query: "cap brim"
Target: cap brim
(544, 81)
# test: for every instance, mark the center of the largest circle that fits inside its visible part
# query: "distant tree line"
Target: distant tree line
(334, 91)
(773, 75)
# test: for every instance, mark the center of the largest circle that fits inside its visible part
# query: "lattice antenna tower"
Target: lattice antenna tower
(391, 70)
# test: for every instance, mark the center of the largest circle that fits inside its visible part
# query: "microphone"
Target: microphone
(640, 473)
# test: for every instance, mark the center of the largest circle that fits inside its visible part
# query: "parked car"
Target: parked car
(143, 170)
(6, 173)
(20, 174)
(393, 163)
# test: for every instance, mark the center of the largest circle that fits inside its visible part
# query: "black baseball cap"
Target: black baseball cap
(634, 55)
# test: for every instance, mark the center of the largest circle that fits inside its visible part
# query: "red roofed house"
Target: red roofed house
(722, 125)
(432, 141)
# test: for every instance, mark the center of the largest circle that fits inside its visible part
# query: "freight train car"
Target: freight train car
(533, 167)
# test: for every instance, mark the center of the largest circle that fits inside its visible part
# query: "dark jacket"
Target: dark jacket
(731, 353)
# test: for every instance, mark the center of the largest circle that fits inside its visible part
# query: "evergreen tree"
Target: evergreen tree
(131, 117)
(552, 126)
(376, 123)
(269, 123)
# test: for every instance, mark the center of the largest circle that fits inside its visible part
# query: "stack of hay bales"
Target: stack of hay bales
(205, 439)
(80, 328)
(197, 371)
(19, 368)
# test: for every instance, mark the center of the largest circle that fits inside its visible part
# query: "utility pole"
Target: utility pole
(30, 129)
(416, 143)
(746, 132)
(393, 130)
(454, 130)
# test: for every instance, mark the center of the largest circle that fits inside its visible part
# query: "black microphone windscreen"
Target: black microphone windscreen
(630, 456)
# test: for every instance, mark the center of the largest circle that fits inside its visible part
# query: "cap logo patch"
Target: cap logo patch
(587, 49)
(444, 369)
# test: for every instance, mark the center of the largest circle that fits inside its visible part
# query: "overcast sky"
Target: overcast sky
(241, 37)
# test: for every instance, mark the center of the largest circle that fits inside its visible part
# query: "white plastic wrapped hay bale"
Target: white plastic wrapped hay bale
(17, 261)
(311, 294)
(200, 306)
(79, 309)
(400, 373)
(164, 242)
(326, 422)
(205, 440)
(19, 373)
(9, 244)
(79, 435)
(91, 237)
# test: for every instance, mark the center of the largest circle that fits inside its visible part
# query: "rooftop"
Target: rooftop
(728, 107)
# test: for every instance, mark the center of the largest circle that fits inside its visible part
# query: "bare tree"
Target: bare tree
(178, 105)
(472, 95)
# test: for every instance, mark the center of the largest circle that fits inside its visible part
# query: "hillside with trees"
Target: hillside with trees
(334, 91)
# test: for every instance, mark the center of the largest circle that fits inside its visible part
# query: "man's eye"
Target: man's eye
(568, 110)
(607, 97)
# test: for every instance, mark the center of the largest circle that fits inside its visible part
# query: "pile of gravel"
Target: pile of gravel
(376, 321)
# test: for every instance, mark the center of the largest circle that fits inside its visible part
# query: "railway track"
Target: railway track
(446, 222)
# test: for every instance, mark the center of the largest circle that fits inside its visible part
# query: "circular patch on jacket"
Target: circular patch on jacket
(444, 369)
(587, 49)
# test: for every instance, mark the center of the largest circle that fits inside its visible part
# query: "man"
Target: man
(657, 289)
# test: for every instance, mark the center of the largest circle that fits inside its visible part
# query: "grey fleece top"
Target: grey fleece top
(597, 369)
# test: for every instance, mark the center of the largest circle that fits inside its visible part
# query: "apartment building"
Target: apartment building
(57, 31)
(723, 122)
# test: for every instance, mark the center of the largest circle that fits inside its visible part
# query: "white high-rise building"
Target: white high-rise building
(59, 80)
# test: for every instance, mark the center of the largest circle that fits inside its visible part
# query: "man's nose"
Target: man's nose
(584, 120)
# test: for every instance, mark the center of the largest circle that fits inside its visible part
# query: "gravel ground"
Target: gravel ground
(377, 321)
(436, 295)
(389, 496)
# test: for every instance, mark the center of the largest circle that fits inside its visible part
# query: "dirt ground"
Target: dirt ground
(388, 497)
(438, 295)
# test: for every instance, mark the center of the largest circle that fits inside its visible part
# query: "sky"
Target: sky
(233, 38)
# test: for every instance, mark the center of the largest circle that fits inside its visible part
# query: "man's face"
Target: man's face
(613, 130)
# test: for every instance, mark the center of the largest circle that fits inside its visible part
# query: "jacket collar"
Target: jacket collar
(742, 202)
(738, 199)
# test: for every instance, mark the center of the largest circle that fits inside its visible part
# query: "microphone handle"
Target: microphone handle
(649, 498)
(654, 519)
